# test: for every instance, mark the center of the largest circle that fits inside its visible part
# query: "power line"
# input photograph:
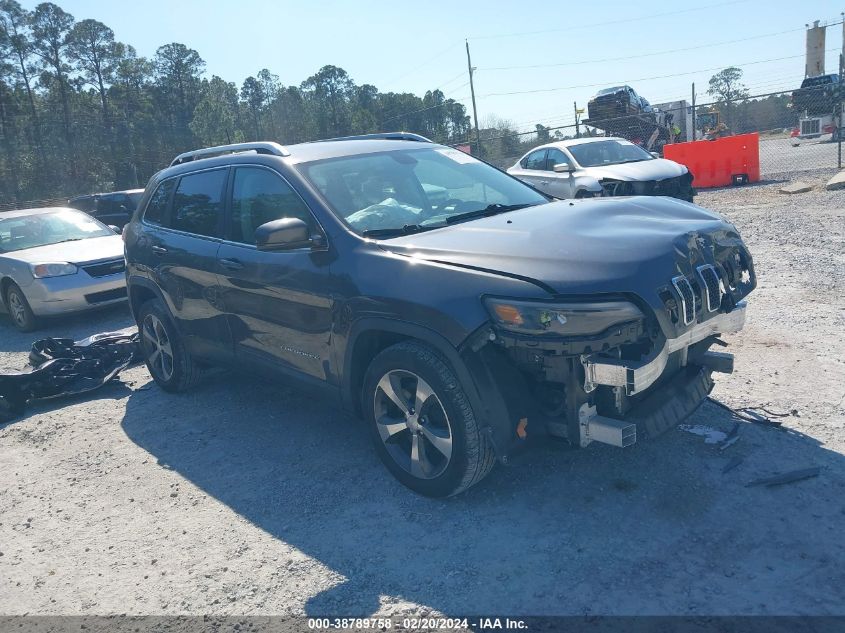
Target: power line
(605, 83)
(422, 65)
(607, 22)
(641, 55)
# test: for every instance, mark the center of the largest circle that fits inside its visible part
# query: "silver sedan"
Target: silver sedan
(57, 260)
(601, 166)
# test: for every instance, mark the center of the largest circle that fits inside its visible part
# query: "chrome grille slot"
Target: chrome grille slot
(102, 269)
(712, 286)
(682, 285)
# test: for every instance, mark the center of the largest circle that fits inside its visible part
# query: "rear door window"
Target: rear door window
(113, 204)
(536, 160)
(198, 203)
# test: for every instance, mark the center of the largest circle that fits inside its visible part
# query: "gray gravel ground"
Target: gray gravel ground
(249, 497)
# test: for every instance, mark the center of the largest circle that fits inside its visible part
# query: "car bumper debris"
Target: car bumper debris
(62, 367)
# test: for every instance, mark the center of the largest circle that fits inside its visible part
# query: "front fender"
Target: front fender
(480, 387)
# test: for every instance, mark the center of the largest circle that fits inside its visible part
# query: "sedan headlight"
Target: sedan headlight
(53, 269)
(560, 319)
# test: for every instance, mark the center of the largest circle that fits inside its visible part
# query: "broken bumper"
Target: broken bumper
(637, 376)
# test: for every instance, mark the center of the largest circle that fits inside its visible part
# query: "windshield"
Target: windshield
(610, 91)
(610, 152)
(413, 190)
(31, 231)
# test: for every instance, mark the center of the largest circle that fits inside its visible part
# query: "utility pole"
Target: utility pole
(693, 112)
(577, 122)
(472, 92)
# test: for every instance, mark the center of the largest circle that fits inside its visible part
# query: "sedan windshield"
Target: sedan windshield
(390, 193)
(30, 231)
(609, 152)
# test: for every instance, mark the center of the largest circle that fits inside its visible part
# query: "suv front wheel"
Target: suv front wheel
(168, 362)
(421, 422)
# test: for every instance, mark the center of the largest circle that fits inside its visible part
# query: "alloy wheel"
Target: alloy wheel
(413, 424)
(158, 349)
(16, 308)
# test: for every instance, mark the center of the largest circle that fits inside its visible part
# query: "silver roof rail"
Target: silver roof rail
(384, 136)
(267, 147)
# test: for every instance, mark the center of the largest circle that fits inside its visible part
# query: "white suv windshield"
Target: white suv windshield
(407, 190)
(609, 152)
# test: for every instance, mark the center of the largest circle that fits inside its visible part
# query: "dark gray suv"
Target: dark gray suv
(454, 308)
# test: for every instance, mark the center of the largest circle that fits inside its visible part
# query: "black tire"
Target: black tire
(19, 311)
(158, 333)
(471, 453)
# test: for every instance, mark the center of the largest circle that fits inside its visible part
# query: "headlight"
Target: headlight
(560, 319)
(53, 269)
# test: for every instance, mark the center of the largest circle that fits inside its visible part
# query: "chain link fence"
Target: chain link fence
(799, 130)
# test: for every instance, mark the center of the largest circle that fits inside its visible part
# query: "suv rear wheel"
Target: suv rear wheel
(169, 363)
(421, 422)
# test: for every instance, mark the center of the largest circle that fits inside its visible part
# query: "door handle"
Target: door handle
(231, 264)
(544, 182)
(158, 250)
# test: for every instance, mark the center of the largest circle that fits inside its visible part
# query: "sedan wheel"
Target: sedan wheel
(157, 348)
(19, 310)
(413, 424)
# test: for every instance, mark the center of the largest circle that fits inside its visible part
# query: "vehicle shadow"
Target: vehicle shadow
(75, 326)
(654, 529)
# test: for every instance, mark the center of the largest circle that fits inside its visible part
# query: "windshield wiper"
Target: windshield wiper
(70, 239)
(408, 229)
(490, 209)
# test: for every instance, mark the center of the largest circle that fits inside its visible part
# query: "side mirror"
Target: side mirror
(655, 154)
(282, 234)
(116, 229)
(561, 168)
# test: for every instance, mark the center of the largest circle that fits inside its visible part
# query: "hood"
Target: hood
(590, 246)
(657, 169)
(82, 252)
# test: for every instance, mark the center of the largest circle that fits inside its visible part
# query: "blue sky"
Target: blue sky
(415, 46)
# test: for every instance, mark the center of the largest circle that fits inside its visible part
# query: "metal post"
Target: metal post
(693, 112)
(472, 92)
(841, 98)
(577, 121)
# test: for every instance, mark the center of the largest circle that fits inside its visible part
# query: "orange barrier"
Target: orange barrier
(718, 163)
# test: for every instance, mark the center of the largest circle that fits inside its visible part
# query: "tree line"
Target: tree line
(82, 112)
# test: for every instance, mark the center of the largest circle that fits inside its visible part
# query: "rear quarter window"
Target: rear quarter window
(156, 211)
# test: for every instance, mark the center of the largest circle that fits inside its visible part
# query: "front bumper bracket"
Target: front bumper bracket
(637, 376)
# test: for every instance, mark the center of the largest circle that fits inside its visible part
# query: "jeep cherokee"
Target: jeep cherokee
(453, 307)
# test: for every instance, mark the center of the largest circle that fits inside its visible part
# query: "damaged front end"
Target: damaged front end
(675, 187)
(611, 368)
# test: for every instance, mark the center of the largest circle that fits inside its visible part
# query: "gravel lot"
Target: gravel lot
(248, 497)
(780, 156)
